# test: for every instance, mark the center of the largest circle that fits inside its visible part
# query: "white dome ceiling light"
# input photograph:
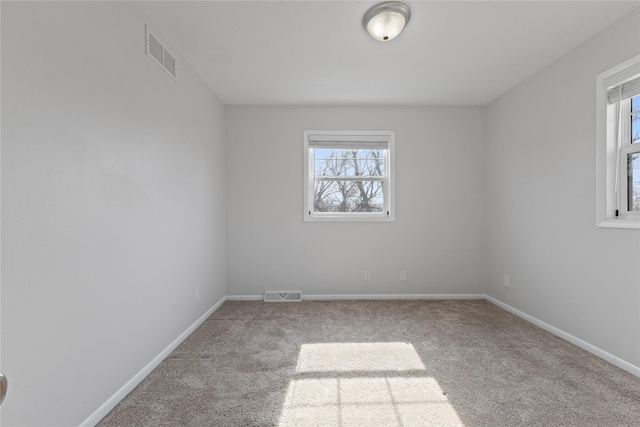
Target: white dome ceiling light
(386, 20)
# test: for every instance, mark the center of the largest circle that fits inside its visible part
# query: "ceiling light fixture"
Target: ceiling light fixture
(384, 21)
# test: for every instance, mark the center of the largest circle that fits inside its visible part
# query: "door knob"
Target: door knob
(3, 387)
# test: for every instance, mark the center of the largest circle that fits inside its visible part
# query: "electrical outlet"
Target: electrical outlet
(506, 281)
(403, 275)
(197, 294)
(367, 275)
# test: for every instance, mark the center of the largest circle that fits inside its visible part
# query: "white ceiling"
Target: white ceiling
(317, 53)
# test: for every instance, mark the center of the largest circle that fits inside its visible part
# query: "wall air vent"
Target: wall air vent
(282, 296)
(159, 53)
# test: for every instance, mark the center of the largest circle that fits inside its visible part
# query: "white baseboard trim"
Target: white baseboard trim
(363, 297)
(391, 296)
(111, 403)
(245, 297)
(614, 360)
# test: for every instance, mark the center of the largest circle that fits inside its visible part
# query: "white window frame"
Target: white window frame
(611, 202)
(388, 180)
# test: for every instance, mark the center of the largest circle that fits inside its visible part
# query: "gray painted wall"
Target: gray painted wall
(439, 232)
(541, 225)
(113, 214)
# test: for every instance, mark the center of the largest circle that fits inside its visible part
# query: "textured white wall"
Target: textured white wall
(439, 232)
(541, 203)
(112, 206)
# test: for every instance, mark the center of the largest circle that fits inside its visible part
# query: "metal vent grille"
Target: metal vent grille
(169, 63)
(159, 54)
(155, 48)
(282, 296)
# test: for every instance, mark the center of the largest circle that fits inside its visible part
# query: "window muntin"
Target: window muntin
(348, 175)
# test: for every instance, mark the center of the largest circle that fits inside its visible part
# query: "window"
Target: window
(348, 175)
(618, 146)
(630, 155)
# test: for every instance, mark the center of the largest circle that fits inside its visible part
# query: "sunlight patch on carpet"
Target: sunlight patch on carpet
(364, 384)
(362, 357)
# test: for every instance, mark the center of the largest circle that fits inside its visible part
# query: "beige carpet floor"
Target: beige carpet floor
(378, 363)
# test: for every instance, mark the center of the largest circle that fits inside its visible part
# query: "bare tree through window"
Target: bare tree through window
(348, 180)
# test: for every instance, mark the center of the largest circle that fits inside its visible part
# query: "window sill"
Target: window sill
(349, 218)
(630, 223)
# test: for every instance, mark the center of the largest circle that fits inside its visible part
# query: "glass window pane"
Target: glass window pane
(348, 196)
(348, 162)
(635, 128)
(633, 182)
(324, 152)
(323, 161)
(635, 103)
